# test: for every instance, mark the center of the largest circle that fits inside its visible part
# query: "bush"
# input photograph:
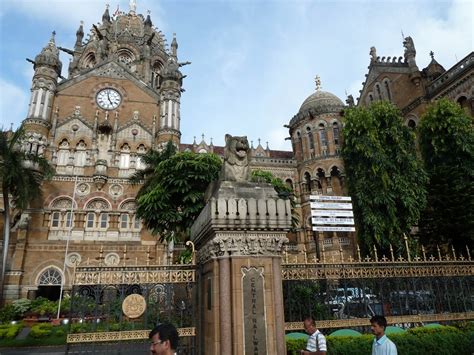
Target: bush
(21, 306)
(44, 307)
(7, 313)
(41, 330)
(294, 346)
(9, 331)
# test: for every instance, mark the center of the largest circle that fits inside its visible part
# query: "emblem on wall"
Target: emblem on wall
(134, 306)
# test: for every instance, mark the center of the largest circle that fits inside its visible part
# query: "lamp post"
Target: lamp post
(63, 278)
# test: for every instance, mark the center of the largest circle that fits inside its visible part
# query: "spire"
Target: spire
(432, 54)
(148, 22)
(79, 35)
(106, 15)
(174, 46)
(133, 7)
(49, 56)
(52, 42)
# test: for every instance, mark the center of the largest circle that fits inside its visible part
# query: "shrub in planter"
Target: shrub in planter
(41, 330)
(44, 307)
(21, 306)
(294, 346)
(7, 313)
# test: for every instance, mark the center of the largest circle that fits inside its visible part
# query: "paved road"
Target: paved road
(50, 350)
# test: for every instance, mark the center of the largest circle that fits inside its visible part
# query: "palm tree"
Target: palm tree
(21, 175)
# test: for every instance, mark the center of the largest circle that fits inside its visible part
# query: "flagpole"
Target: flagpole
(63, 278)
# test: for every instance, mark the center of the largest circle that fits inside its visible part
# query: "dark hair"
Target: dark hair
(380, 320)
(311, 320)
(166, 331)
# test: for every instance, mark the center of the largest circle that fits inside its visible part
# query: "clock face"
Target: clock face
(108, 99)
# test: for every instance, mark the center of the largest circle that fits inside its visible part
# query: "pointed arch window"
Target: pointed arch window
(323, 138)
(310, 138)
(387, 90)
(80, 156)
(124, 157)
(335, 132)
(63, 152)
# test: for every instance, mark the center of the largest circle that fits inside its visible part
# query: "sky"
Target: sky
(253, 61)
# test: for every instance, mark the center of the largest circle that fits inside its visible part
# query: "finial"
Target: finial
(267, 146)
(202, 136)
(211, 141)
(194, 142)
(53, 34)
(317, 80)
(107, 6)
(432, 54)
(259, 141)
(148, 12)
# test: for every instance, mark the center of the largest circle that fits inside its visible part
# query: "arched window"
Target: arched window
(323, 138)
(50, 277)
(379, 92)
(307, 180)
(335, 133)
(387, 90)
(104, 220)
(80, 156)
(140, 164)
(310, 138)
(125, 56)
(89, 61)
(124, 156)
(63, 152)
(411, 124)
(289, 183)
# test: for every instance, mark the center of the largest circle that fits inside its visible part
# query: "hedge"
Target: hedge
(416, 341)
(41, 330)
(9, 331)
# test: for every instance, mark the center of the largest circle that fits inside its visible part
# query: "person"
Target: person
(164, 339)
(316, 342)
(381, 345)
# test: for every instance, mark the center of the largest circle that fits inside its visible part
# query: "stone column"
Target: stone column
(239, 238)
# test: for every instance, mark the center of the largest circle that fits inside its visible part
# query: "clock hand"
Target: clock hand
(108, 96)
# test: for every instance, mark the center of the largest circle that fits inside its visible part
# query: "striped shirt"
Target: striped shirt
(316, 342)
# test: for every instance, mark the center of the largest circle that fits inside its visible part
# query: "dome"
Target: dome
(322, 101)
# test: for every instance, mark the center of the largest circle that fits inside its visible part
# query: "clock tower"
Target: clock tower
(120, 99)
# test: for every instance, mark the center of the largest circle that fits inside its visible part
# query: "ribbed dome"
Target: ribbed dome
(321, 100)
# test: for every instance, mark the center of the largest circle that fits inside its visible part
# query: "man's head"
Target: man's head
(164, 339)
(309, 325)
(378, 325)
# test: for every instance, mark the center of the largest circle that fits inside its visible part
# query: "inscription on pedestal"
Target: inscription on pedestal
(254, 311)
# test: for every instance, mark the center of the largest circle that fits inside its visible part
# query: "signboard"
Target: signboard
(333, 229)
(330, 205)
(331, 213)
(349, 221)
(329, 198)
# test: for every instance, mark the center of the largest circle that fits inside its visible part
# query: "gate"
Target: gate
(101, 322)
(346, 293)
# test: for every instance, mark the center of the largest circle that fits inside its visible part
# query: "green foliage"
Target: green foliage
(41, 330)
(386, 179)
(416, 341)
(173, 196)
(44, 307)
(294, 346)
(7, 313)
(283, 190)
(80, 328)
(10, 331)
(447, 146)
(350, 345)
(185, 257)
(21, 306)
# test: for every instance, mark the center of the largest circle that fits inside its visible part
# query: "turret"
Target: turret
(47, 68)
(172, 80)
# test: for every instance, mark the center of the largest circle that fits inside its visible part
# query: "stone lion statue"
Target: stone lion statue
(236, 159)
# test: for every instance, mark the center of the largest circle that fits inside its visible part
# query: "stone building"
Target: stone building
(120, 99)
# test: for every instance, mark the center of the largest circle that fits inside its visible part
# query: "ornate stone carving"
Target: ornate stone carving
(112, 259)
(73, 259)
(134, 306)
(242, 244)
(236, 159)
(83, 189)
(115, 190)
(97, 205)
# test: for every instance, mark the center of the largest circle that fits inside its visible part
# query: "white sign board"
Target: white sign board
(331, 213)
(329, 198)
(332, 206)
(349, 221)
(333, 229)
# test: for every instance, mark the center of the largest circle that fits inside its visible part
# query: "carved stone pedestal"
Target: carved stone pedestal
(239, 237)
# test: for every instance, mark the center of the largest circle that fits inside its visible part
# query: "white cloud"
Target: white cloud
(13, 104)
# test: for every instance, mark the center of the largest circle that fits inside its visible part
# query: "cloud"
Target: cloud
(13, 104)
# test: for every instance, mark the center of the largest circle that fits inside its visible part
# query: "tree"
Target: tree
(283, 190)
(447, 145)
(173, 196)
(21, 175)
(385, 177)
